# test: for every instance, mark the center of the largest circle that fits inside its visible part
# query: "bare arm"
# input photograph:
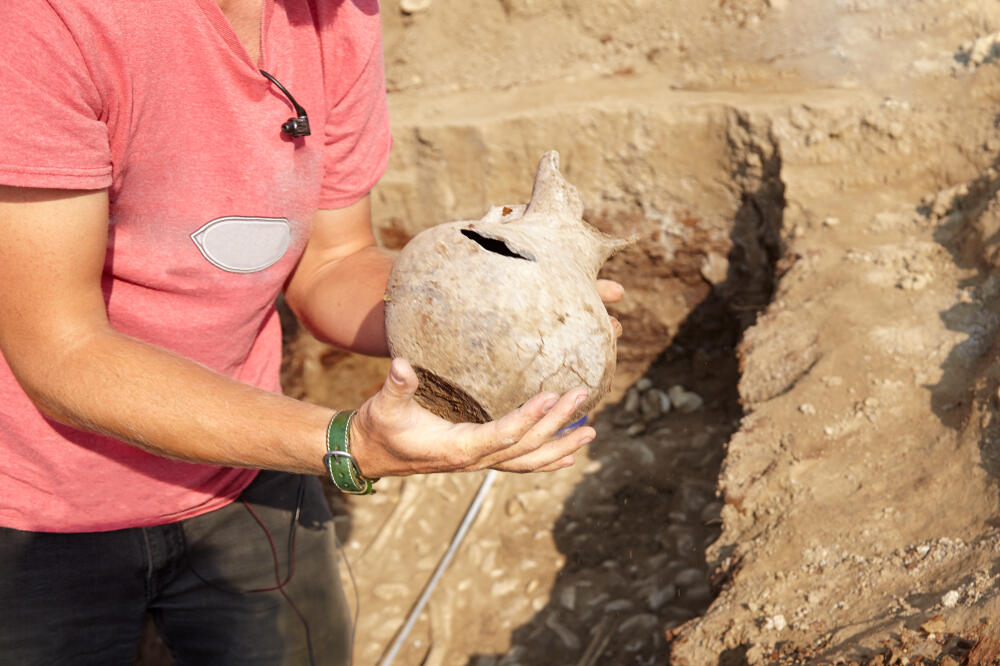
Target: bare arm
(337, 287)
(56, 337)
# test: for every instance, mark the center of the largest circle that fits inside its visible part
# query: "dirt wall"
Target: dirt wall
(813, 186)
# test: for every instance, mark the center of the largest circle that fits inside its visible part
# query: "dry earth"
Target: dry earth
(814, 187)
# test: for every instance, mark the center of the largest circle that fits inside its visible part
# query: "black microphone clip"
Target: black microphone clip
(293, 127)
(296, 127)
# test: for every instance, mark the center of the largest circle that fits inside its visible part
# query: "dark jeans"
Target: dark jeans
(208, 582)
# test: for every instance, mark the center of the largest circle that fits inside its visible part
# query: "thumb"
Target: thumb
(401, 383)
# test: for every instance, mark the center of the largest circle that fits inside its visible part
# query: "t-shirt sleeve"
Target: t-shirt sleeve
(52, 131)
(357, 136)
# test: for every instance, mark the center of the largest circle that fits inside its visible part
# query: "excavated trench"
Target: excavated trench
(631, 528)
(847, 470)
(634, 531)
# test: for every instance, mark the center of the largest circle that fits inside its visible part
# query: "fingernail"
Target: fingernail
(549, 404)
(394, 374)
(586, 440)
(580, 398)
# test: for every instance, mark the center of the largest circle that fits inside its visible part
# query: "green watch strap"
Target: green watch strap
(339, 462)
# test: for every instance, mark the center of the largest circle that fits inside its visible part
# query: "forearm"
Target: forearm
(56, 338)
(342, 301)
(171, 406)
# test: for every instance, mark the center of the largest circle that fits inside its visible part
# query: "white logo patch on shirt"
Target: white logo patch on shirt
(244, 244)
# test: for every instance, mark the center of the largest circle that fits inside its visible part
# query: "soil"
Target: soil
(816, 188)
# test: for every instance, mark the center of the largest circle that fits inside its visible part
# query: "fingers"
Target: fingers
(552, 455)
(379, 425)
(532, 427)
(562, 463)
(399, 385)
(610, 291)
(391, 435)
(541, 416)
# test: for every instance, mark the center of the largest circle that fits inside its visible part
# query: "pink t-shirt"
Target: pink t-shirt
(210, 207)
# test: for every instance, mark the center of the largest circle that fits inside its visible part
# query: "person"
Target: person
(153, 205)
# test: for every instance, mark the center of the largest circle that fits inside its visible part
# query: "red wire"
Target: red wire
(274, 553)
(280, 587)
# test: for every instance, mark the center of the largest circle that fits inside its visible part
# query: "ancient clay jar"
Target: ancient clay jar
(491, 312)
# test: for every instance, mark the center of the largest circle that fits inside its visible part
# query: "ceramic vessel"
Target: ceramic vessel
(492, 311)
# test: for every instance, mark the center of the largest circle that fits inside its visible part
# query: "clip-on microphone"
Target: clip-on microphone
(293, 127)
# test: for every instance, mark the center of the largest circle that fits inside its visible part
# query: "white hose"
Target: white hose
(456, 541)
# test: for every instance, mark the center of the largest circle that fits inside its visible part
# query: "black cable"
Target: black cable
(298, 107)
(294, 127)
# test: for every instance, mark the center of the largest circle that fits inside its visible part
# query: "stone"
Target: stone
(684, 400)
(568, 638)
(690, 577)
(633, 397)
(414, 6)
(776, 622)
(654, 403)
